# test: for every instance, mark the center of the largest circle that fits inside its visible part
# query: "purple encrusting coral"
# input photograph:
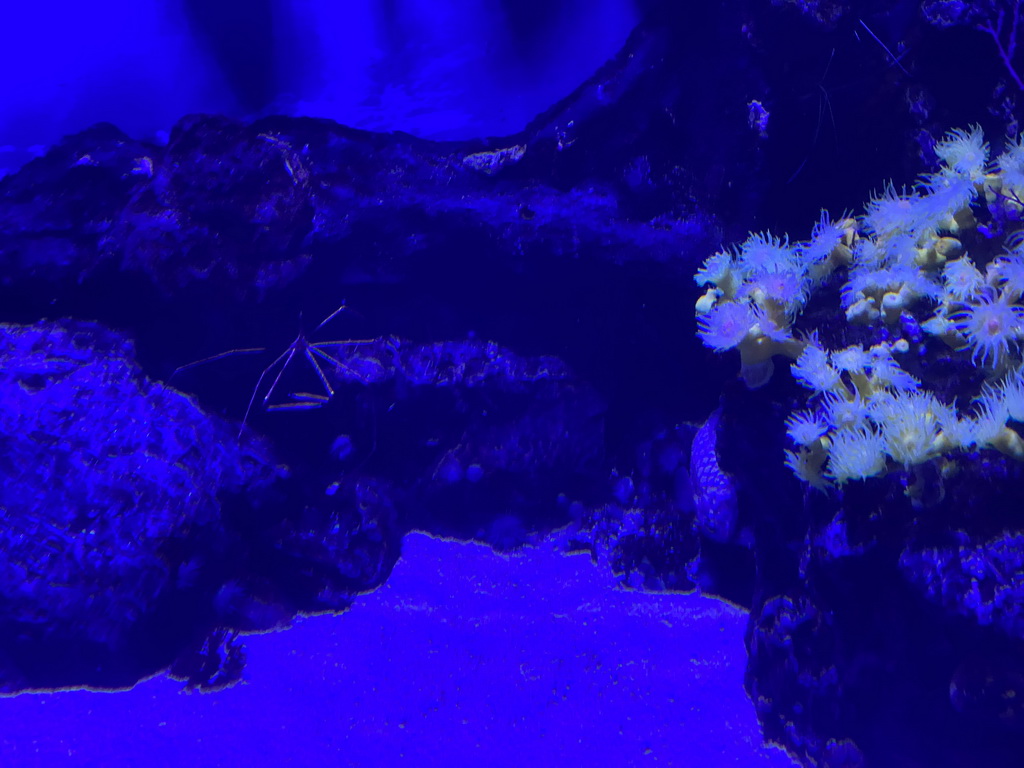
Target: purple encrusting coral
(714, 489)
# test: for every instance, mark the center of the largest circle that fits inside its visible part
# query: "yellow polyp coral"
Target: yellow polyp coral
(919, 281)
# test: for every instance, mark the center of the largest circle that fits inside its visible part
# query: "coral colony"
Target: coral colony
(924, 277)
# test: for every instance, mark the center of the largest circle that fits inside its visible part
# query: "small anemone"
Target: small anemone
(805, 428)
(725, 326)
(813, 370)
(890, 212)
(1012, 394)
(762, 251)
(852, 359)
(991, 326)
(856, 454)
(1008, 272)
(965, 152)
(962, 279)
